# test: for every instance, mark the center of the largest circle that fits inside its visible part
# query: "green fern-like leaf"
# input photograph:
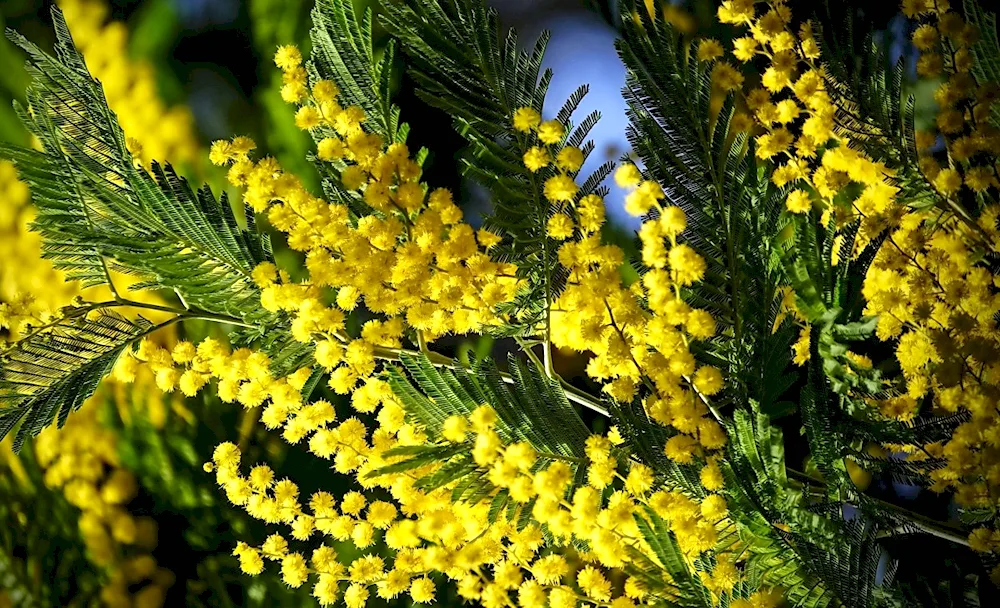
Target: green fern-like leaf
(96, 209)
(868, 91)
(986, 67)
(850, 571)
(684, 589)
(342, 52)
(46, 377)
(734, 212)
(530, 407)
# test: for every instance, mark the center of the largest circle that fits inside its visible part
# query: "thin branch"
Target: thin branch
(183, 315)
(913, 519)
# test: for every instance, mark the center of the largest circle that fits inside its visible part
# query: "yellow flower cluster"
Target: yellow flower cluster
(929, 285)
(926, 285)
(156, 131)
(547, 151)
(944, 40)
(81, 459)
(410, 258)
(490, 560)
(31, 291)
(396, 262)
(800, 135)
(638, 334)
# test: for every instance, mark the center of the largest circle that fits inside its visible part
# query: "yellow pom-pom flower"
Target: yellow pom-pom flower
(526, 119)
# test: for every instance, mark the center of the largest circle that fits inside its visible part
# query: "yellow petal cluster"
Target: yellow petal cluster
(158, 132)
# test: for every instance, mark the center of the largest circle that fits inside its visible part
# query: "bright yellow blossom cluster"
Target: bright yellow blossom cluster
(796, 115)
(972, 142)
(933, 293)
(810, 155)
(31, 291)
(561, 163)
(640, 334)
(493, 560)
(469, 499)
(411, 258)
(81, 459)
(930, 295)
(156, 132)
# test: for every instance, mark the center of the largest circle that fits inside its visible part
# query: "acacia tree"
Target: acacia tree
(807, 259)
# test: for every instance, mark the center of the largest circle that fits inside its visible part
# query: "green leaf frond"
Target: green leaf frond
(851, 570)
(530, 407)
(819, 413)
(683, 588)
(734, 212)
(45, 377)
(647, 441)
(96, 209)
(342, 52)
(771, 512)
(986, 67)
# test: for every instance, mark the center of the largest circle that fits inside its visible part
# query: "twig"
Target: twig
(913, 519)
(182, 315)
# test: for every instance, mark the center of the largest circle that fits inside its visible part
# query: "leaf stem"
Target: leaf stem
(913, 519)
(182, 315)
(572, 393)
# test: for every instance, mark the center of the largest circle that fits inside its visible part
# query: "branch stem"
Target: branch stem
(913, 519)
(119, 302)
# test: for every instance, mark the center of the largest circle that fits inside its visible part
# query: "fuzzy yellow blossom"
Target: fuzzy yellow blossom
(287, 57)
(551, 132)
(686, 265)
(948, 181)
(559, 226)
(454, 429)
(745, 48)
(422, 590)
(570, 159)
(560, 188)
(526, 119)
(725, 77)
(673, 220)
(627, 175)
(798, 201)
(537, 158)
(709, 49)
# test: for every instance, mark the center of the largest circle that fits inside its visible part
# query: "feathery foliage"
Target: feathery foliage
(808, 206)
(707, 170)
(46, 377)
(465, 64)
(529, 406)
(98, 210)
